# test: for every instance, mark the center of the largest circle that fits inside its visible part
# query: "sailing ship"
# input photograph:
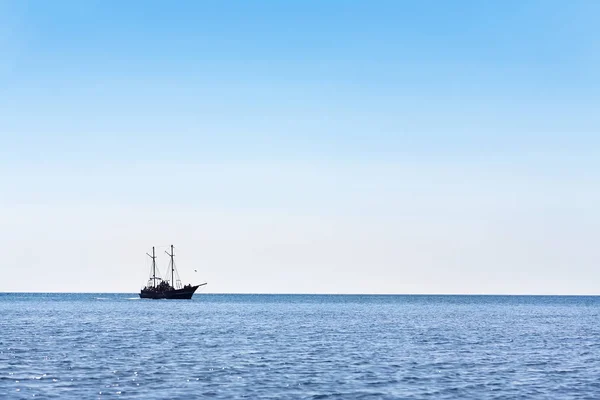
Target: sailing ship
(158, 288)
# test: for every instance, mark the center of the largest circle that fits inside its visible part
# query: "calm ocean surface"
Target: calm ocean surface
(87, 346)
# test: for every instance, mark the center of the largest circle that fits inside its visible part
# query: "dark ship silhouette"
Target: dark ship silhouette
(158, 288)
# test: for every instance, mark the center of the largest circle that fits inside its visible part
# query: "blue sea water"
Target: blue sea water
(89, 346)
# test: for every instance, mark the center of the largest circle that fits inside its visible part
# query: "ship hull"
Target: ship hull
(176, 294)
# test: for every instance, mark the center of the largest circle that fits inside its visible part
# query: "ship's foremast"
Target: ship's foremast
(172, 255)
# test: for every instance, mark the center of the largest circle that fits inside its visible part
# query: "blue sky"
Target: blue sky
(444, 147)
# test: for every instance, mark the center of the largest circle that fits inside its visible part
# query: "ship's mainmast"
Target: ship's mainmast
(153, 257)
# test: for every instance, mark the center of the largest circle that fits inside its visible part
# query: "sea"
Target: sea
(229, 346)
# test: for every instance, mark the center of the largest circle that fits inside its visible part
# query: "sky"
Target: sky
(301, 146)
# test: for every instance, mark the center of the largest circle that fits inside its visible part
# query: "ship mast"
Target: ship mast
(153, 257)
(172, 267)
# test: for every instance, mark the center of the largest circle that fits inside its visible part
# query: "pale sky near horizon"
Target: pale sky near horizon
(301, 147)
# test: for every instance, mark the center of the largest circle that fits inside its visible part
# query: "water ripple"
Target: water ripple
(308, 347)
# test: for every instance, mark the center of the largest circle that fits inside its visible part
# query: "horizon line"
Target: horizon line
(332, 294)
